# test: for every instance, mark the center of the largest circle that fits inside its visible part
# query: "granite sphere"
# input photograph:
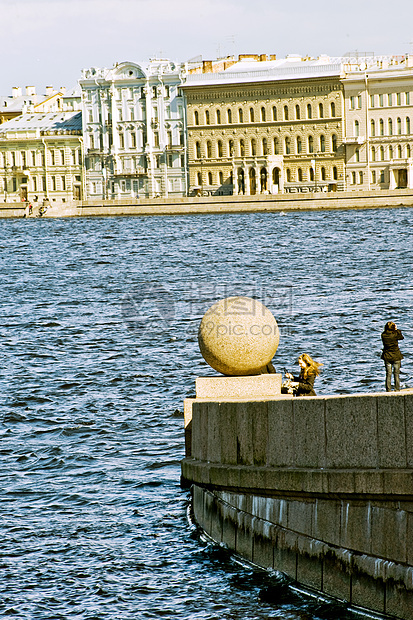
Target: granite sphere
(238, 336)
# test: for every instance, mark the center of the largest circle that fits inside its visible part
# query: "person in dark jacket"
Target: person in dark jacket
(392, 356)
(304, 383)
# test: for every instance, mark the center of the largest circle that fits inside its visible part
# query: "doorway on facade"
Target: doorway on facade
(253, 182)
(23, 193)
(76, 192)
(402, 178)
(276, 178)
(263, 180)
(241, 181)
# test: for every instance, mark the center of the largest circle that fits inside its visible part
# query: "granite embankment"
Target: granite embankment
(217, 204)
(319, 488)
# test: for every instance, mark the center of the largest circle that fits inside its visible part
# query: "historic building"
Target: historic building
(378, 95)
(266, 126)
(134, 131)
(20, 102)
(41, 153)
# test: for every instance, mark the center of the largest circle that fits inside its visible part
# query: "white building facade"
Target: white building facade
(134, 131)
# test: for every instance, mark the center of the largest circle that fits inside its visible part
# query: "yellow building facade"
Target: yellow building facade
(266, 126)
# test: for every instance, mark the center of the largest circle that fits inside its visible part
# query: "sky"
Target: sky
(48, 42)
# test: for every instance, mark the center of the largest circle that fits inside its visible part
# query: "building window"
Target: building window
(63, 183)
(196, 117)
(334, 143)
(399, 126)
(297, 112)
(199, 178)
(208, 149)
(356, 128)
(382, 153)
(390, 99)
(156, 139)
(399, 151)
(231, 148)
(169, 160)
(197, 150)
(209, 178)
(373, 154)
(381, 100)
(309, 111)
(335, 173)
(274, 113)
(276, 146)
(390, 152)
(399, 98)
(263, 116)
(35, 184)
(221, 178)
(352, 102)
(322, 144)
(121, 141)
(287, 145)
(390, 127)
(353, 178)
(407, 125)
(133, 140)
(220, 149)
(408, 151)
(53, 183)
(286, 113)
(407, 98)
(240, 115)
(288, 174)
(300, 175)
(206, 117)
(154, 92)
(381, 176)
(251, 115)
(311, 175)
(381, 123)
(264, 146)
(253, 147)
(229, 115)
(242, 148)
(310, 144)
(372, 101)
(357, 155)
(372, 128)
(218, 117)
(323, 173)
(299, 144)
(332, 109)
(361, 177)
(320, 110)
(373, 176)
(53, 156)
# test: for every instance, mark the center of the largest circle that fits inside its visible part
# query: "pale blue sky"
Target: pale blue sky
(48, 42)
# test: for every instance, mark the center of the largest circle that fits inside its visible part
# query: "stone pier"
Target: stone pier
(319, 488)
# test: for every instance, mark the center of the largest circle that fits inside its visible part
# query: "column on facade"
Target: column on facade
(149, 140)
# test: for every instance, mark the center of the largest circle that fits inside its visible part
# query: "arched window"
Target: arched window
(390, 127)
(274, 113)
(399, 126)
(309, 111)
(335, 173)
(353, 178)
(276, 146)
(382, 153)
(220, 149)
(229, 115)
(322, 143)
(251, 115)
(373, 154)
(242, 148)
(310, 144)
(356, 128)
(197, 150)
(196, 117)
(334, 143)
(231, 148)
(381, 123)
(297, 112)
(408, 151)
(311, 174)
(240, 115)
(357, 154)
(288, 174)
(320, 110)
(332, 109)
(287, 145)
(209, 178)
(390, 152)
(218, 117)
(221, 178)
(286, 113)
(263, 116)
(209, 149)
(264, 146)
(407, 125)
(299, 144)
(372, 128)
(207, 117)
(399, 151)
(253, 147)
(199, 178)
(323, 173)
(300, 175)
(361, 177)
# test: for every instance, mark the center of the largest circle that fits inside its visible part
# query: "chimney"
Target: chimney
(273, 56)
(63, 90)
(16, 91)
(207, 66)
(263, 57)
(49, 91)
(30, 91)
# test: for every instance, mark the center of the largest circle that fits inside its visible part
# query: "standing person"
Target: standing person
(392, 356)
(304, 383)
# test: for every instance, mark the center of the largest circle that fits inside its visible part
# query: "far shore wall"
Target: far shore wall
(218, 204)
(319, 488)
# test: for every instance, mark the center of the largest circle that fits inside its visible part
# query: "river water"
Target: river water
(98, 349)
